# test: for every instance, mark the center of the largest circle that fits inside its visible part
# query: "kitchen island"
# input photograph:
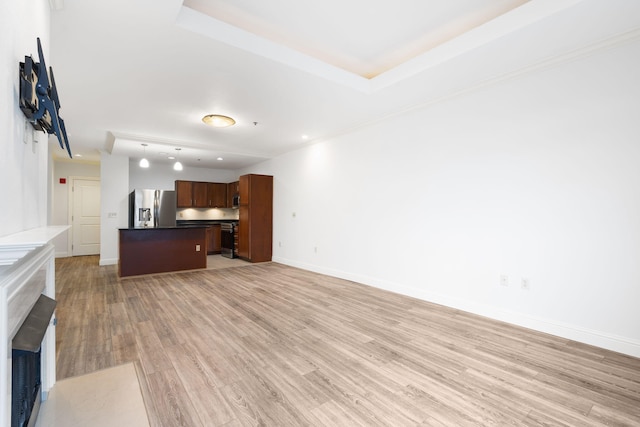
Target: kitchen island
(160, 250)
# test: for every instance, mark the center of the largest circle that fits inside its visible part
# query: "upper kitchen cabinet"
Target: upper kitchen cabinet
(217, 195)
(194, 194)
(184, 194)
(255, 225)
(200, 195)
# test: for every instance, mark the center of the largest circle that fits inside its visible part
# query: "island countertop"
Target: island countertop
(173, 227)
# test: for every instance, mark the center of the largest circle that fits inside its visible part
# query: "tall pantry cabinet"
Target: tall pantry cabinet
(255, 225)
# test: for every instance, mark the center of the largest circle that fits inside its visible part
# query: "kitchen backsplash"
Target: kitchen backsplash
(203, 213)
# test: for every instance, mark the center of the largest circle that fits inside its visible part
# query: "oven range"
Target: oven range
(228, 239)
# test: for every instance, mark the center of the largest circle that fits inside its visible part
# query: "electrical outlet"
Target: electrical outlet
(525, 285)
(197, 248)
(504, 280)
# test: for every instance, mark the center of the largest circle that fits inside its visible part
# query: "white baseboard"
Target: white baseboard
(611, 342)
(108, 261)
(62, 255)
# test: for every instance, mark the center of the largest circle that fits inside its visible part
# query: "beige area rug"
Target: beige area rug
(106, 398)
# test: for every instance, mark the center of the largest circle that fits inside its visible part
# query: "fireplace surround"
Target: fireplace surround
(27, 271)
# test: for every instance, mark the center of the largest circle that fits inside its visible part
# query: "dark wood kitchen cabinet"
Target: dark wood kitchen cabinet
(190, 194)
(255, 225)
(184, 194)
(214, 239)
(194, 194)
(200, 195)
(217, 193)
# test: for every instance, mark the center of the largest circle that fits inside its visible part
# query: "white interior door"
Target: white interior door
(85, 219)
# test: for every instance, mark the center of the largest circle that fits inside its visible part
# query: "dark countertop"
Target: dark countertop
(180, 224)
(162, 228)
(203, 223)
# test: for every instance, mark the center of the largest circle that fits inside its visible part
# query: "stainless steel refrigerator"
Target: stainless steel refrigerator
(152, 208)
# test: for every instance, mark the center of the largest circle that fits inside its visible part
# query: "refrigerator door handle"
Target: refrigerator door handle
(156, 208)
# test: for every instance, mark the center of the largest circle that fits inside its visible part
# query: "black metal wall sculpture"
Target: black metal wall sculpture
(39, 99)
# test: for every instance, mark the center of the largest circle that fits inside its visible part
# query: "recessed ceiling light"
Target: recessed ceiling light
(171, 157)
(218, 121)
(220, 158)
(305, 137)
(78, 155)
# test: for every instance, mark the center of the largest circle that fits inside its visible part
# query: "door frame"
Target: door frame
(72, 182)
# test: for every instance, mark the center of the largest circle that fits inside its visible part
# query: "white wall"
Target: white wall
(60, 196)
(24, 160)
(162, 176)
(114, 195)
(23, 165)
(533, 177)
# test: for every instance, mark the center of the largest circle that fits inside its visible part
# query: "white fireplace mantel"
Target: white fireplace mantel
(27, 270)
(15, 246)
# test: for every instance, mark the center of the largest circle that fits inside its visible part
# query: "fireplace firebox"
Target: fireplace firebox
(26, 380)
(25, 388)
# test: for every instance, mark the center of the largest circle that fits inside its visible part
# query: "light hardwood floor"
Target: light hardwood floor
(272, 345)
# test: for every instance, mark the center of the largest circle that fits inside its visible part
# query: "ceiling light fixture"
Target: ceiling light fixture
(144, 163)
(177, 166)
(220, 159)
(218, 121)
